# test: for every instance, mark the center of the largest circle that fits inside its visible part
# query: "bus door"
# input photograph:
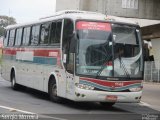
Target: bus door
(68, 56)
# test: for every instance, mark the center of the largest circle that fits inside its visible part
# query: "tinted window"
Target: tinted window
(58, 31)
(44, 38)
(18, 36)
(35, 35)
(11, 38)
(67, 31)
(6, 38)
(53, 32)
(26, 35)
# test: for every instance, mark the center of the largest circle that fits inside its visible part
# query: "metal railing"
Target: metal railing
(152, 71)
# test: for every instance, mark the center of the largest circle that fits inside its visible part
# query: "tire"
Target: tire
(53, 91)
(14, 85)
(107, 104)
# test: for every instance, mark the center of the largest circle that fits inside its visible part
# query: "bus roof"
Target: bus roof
(75, 14)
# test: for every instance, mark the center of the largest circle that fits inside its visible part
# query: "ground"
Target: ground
(29, 101)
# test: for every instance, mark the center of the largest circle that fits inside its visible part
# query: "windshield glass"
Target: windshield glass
(94, 47)
(127, 51)
(99, 46)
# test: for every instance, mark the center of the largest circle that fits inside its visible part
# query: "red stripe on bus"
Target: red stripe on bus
(46, 53)
(38, 52)
(111, 83)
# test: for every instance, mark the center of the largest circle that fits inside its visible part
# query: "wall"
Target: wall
(156, 49)
(93, 5)
(67, 5)
(148, 9)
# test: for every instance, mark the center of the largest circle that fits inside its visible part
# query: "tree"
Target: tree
(5, 21)
(1, 31)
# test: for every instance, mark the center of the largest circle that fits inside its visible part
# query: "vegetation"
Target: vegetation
(1, 31)
(5, 21)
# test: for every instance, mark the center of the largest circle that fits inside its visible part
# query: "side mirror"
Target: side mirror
(71, 34)
(114, 37)
(110, 43)
(64, 58)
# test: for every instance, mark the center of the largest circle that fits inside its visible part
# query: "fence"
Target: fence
(152, 71)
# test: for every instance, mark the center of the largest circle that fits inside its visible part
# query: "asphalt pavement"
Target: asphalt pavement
(32, 104)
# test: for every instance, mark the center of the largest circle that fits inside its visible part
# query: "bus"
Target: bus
(77, 55)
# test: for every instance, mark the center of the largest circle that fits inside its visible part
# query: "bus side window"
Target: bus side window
(53, 33)
(11, 37)
(35, 35)
(26, 35)
(5, 42)
(58, 31)
(18, 37)
(44, 37)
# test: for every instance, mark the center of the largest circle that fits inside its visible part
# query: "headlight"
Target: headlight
(83, 86)
(136, 89)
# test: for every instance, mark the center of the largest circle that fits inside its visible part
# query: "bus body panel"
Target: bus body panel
(33, 71)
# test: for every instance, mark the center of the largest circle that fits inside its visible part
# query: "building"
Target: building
(145, 9)
(145, 12)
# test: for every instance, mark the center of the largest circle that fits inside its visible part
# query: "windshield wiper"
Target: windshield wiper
(106, 59)
(103, 66)
(124, 67)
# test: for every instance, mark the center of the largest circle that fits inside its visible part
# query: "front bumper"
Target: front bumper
(100, 96)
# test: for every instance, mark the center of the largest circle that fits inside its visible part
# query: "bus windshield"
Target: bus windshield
(127, 51)
(108, 50)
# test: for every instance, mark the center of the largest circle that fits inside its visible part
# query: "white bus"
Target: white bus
(78, 55)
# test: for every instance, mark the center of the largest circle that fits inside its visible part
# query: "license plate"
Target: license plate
(111, 97)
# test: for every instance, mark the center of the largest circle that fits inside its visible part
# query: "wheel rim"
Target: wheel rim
(54, 90)
(13, 81)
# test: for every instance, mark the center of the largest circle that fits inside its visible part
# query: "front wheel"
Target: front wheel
(107, 104)
(53, 91)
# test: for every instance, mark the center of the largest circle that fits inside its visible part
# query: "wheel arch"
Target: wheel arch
(54, 77)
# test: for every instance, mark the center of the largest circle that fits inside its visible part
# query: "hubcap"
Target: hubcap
(13, 82)
(54, 90)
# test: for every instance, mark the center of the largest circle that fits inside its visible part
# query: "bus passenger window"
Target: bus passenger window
(53, 33)
(58, 31)
(5, 42)
(26, 35)
(18, 37)
(45, 28)
(35, 35)
(11, 38)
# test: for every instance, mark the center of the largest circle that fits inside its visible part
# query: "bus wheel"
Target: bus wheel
(107, 104)
(14, 85)
(53, 91)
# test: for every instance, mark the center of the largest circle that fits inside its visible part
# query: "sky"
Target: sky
(27, 10)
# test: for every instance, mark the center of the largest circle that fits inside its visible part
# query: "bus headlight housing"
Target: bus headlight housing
(136, 89)
(83, 86)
